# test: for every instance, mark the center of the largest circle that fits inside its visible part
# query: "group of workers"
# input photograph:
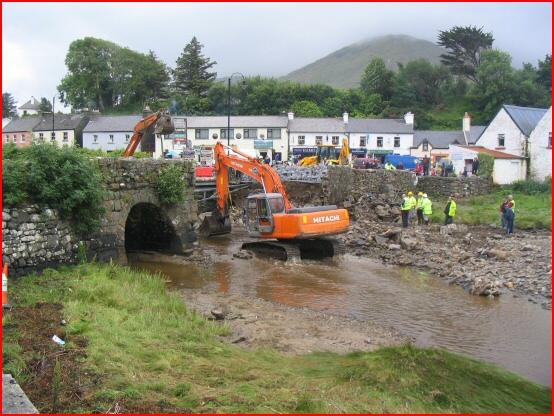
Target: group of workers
(412, 207)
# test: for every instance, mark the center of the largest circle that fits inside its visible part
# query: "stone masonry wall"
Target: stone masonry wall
(35, 239)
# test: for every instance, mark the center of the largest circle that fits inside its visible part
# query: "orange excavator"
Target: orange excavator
(279, 229)
(163, 123)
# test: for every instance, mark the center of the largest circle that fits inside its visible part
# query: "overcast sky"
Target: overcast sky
(267, 39)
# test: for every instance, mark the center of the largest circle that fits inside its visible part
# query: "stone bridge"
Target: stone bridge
(34, 239)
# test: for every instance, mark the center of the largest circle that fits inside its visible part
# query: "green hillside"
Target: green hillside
(343, 68)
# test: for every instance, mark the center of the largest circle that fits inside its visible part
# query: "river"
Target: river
(508, 331)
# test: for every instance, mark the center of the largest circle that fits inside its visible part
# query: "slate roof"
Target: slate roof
(316, 125)
(29, 105)
(525, 118)
(439, 139)
(23, 124)
(61, 122)
(474, 133)
(112, 123)
(379, 125)
(236, 122)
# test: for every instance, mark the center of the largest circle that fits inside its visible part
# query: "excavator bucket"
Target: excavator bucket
(164, 125)
(214, 226)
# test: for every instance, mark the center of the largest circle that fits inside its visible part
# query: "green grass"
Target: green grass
(147, 345)
(532, 211)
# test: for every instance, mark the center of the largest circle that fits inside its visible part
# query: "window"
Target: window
(223, 133)
(273, 133)
(95, 138)
(501, 140)
(65, 136)
(318, 139)
(550, 140)
(202, 134)
(15, 138)
(425, 146)
(397, 141)
(53, 135)
(41, 136)
(379, 142)
(111, 138)
(23, 138)
(250, 133)
(127, 138)
(7, 138)
(363, 141)
(301, 139)
(335, 140)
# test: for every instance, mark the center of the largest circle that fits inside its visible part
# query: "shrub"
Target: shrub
(171, 185)
(60, 178)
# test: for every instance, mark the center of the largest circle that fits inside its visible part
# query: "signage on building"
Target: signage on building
(380, 152)
(457, 156)
(304, 150)
(358, 152)
(206, 156)
(180, 123)
(189, 155)
(180, 137)
(263, 144)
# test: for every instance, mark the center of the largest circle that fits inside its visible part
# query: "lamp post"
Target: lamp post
(53, 130)
(229, 106)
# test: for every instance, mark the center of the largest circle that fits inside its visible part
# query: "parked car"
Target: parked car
(365, 163)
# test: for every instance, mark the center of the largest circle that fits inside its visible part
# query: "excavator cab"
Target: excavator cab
(259, 210)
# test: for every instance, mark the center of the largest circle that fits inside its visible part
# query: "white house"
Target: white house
(540, 148)
(507, 168)
(30, 108)
(108, 133)
(510, 132)
(366, 137)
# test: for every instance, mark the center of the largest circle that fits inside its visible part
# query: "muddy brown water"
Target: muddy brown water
(508, 331)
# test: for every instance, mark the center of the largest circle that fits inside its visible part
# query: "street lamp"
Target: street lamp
(229, 106)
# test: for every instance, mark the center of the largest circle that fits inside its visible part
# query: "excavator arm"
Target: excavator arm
(164, 126)
(264, 174)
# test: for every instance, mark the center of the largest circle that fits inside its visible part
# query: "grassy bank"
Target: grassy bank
(144, 347)
(532, 211)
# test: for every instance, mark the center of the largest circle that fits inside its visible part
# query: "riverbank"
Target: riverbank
(133, 347)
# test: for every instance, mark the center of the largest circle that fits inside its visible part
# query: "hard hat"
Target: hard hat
(424, 195)
(410, 193)
(420, 194)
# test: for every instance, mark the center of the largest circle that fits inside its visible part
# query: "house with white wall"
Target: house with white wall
(30, 108)
(254, 135)
(507, 168)
(510, 132)
(108, 133)
(540, 148)
(366, 137)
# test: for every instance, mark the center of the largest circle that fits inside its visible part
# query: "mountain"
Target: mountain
(343, 69)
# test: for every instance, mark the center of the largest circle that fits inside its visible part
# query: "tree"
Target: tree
(465, 45)
(377, 79)
(45, 105)
(306, 109)
(496, 82)
(9, 106)
(545, 72)
(191, 73)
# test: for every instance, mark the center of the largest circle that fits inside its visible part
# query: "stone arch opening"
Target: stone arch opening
(149, 229)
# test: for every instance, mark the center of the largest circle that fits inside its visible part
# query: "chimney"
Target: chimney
(291, 116)
(466, 126)
(409, 118)
(345, 117)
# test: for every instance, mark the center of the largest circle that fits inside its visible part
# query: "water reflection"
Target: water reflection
(506, 331)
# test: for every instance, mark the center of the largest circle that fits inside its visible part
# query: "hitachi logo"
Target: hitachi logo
(329, 218)
(240, 165)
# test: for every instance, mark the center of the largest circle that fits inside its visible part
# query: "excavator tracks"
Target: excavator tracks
(312, 249)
